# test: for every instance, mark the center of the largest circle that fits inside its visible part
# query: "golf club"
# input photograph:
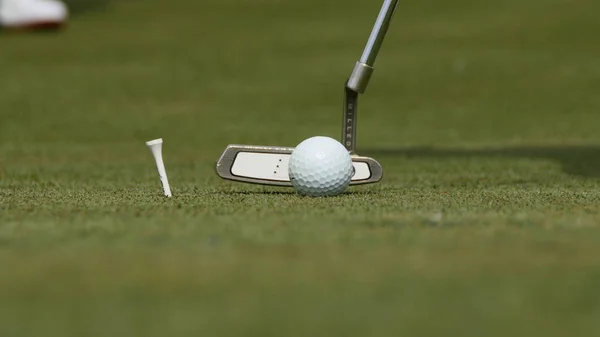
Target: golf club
(268, 165)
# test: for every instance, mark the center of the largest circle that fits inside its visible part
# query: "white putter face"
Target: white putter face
(268, 165)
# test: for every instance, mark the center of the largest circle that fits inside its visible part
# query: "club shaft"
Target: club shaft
(378, 33)
(363, 69)
(361, 74)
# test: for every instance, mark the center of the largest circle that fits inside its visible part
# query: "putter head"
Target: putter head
(268, 165)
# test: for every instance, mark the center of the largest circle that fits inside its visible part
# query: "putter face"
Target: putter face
(268, 165)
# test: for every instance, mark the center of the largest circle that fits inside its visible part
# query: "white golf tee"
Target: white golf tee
(155, 147)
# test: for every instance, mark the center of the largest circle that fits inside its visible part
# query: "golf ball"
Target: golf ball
(320, 166)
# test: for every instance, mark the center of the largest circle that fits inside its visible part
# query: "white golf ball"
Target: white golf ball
(320, 166)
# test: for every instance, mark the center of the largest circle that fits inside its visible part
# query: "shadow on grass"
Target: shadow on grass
(237, 192)
(576, 160)
(289, 191)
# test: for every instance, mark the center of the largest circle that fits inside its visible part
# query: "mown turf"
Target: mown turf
(484, 115)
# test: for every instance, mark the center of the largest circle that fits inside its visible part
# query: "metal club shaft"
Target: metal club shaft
(361, 74)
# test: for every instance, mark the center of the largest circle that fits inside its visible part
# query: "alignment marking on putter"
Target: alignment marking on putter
(268, 165)
(155, 147)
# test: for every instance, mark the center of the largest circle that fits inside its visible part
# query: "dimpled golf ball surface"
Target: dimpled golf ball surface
(320, 166)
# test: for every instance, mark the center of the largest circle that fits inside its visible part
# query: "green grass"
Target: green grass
(483, 114)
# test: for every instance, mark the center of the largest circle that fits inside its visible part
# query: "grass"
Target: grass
(483, 114)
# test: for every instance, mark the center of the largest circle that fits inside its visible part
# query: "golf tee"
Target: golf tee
(155, 147)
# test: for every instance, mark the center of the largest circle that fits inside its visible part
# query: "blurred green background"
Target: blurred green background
(483, 114)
